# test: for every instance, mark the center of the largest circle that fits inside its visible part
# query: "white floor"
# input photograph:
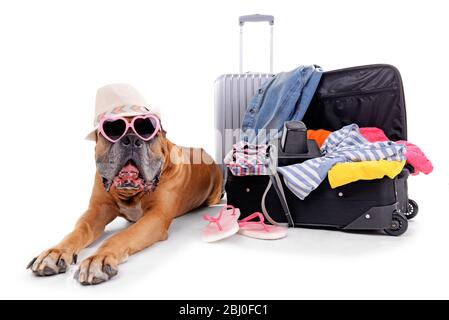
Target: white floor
(307, 264)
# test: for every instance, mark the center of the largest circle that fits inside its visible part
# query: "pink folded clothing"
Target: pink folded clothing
(417, 158)
(249, 159)
(373, 134)
(414, 154)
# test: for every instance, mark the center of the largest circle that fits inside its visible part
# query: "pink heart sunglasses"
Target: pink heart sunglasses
(113, 128)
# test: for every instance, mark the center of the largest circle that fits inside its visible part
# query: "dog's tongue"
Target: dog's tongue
(128, 177)
(129, 171)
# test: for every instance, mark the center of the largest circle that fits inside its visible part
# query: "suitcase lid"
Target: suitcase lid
(370, 96)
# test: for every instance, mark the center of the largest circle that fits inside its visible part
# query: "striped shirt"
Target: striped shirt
(344, 145)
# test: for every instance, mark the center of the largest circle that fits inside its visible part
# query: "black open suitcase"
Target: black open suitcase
(370, 96)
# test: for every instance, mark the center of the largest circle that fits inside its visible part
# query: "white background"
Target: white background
(55, 54)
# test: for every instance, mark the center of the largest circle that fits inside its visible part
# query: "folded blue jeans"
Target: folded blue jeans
(282, 98)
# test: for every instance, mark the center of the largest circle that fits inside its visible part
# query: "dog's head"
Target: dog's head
(130, 165)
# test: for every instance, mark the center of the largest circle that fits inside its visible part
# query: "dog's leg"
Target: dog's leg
(88, 228)
(103, 265)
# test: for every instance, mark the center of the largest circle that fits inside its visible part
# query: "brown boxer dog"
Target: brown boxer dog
(149, 183)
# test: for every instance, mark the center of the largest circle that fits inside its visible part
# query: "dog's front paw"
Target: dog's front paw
(51, 262)
(97, 269)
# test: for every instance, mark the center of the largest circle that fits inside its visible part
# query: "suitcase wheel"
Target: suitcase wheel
(399, 225)
(412, 209)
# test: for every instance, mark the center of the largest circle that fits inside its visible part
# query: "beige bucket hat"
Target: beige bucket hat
(119, 99)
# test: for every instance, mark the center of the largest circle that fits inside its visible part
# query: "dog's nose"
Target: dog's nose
(131, 141)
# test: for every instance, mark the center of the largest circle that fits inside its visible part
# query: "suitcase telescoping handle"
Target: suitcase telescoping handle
(256, 18)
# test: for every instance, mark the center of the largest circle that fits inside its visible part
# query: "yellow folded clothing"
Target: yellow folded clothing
(347, 172)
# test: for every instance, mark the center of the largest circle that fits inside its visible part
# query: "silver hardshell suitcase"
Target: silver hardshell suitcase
(233, 93)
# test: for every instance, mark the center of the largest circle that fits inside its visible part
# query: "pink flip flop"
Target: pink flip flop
(222, 226)
(260, 230)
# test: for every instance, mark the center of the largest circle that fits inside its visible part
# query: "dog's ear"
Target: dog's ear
(162, 128)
